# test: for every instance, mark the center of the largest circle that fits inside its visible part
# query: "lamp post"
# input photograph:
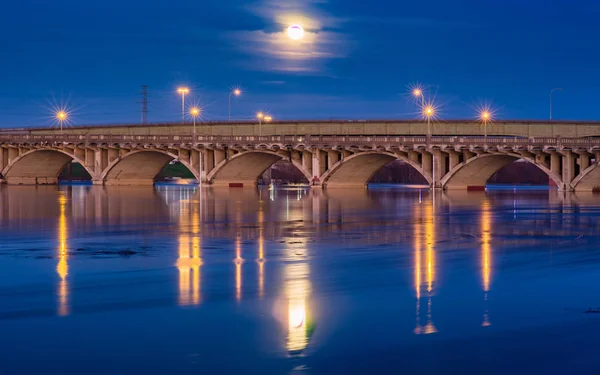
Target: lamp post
(194, 112)
(429, 112)
(551, 91)
(485, 116)
(236, 92)
(183, 91)
(61, 116)
(260, 117)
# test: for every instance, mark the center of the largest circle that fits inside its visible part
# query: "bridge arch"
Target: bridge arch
(139, 167)
(40, 166)
(357, 169)
(476, 171)
(246, 167)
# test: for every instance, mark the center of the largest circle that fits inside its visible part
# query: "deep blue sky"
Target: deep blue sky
(356, 61)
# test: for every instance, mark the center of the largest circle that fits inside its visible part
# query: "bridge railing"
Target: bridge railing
(323, 140)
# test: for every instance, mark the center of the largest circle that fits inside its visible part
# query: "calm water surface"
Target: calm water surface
(187, 280)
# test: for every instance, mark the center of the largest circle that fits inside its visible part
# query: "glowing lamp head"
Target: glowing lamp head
(61, 115)
(260, 115)
(195, 111)
(237, 92)
(486, 116)
(429, 111)
(418, 93)
(295, 32)
(183, 90)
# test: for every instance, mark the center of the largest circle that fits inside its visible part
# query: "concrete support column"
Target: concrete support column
(219, 156)
(318, 164)
(333, 159)
(454, 159)
(98, 162)
(439, 164)
(427, 166)
(79, 153)
(597, 156)
(307, 162)
(322, 162)
(195, 158)
(346, 154)
(555, 163)
(541, 159)
(584, 161)
(13, 153)
(296, 157)
(202, 172)
(568, 169)
(113, 154)
(413, 156)
(468, 155)
(209, 162)
(3, 162)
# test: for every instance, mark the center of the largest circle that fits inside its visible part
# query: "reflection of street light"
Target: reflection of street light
(195, 112)
(183, 91)
(236, 92)
(61, 116)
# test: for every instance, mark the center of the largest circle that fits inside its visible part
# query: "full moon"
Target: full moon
(295, 32)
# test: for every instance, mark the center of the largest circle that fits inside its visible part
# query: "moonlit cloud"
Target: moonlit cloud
(271, 49)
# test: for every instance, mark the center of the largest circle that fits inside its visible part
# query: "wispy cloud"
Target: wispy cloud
(323, 39)
(412, 22)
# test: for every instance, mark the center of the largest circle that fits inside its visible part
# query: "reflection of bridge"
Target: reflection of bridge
(234, 155)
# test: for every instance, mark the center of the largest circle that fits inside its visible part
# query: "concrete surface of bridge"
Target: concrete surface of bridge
(332, 154)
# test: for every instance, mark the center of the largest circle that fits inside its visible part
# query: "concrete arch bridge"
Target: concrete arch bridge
(446, 162)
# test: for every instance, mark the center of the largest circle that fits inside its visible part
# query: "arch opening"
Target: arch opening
(41, 167)
(398, 172)
(74, 172)
(283, 172)
(360, 168)
(477, 172)
(519, 172)
(138, 168)
(245, 169)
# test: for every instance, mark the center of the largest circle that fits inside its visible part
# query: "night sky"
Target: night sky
(357, 60)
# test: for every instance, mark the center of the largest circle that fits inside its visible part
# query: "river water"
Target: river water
(185, 280)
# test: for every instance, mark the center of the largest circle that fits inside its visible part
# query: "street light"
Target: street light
(195, 112)
(418, 94)
(61, 116)
(183, 91)
(268, 118)
(236, 92)
(551, 91)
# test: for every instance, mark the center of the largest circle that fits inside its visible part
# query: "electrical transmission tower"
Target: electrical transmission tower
(144, 103)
